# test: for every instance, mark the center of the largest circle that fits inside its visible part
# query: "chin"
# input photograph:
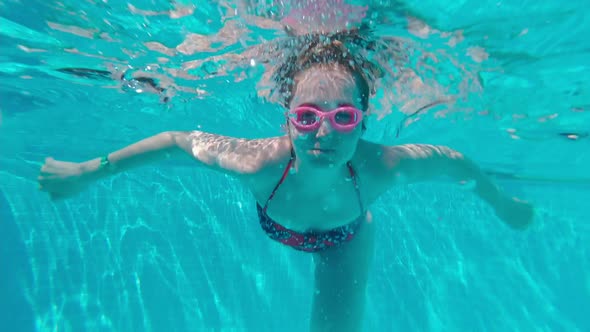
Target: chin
(323, 158)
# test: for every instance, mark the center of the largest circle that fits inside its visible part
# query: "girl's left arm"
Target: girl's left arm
(421, 162)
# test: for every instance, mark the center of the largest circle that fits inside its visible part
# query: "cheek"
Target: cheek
(300, 137)
(297, 137)
(355, 134)
(349, 143)
(351, 140)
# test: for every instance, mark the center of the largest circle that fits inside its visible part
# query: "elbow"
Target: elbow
(174, 138)
(180, 141)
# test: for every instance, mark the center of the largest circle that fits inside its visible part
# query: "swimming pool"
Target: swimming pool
(172, 247)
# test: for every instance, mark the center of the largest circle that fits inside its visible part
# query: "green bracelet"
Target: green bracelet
(105, 163)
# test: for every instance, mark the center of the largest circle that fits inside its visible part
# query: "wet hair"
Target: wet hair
(342, 50)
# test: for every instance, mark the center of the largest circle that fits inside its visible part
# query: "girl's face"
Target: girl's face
(325, 89)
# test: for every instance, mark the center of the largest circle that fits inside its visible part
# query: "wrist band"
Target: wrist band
(105, 163)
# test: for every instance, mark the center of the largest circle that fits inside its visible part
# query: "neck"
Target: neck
(318, 177)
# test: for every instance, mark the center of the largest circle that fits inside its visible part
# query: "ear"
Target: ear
(366, 114)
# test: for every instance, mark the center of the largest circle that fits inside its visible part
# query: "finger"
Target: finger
(48, 161)
(45, 171)
(44, 180)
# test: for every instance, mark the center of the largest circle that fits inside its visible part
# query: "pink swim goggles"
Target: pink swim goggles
(309, 118)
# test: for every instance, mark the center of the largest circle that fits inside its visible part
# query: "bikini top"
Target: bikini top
(311, 241)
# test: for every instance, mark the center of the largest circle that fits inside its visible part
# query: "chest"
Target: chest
(301, 209)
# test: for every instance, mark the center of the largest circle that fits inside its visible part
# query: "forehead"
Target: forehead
(326, 88)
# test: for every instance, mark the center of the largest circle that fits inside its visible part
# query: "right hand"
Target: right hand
(61, 179)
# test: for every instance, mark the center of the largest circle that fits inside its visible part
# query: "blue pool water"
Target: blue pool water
(178, 248)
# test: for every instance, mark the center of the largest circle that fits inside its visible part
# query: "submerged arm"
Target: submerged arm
(152, 149)
(227, 154)
(420, 162)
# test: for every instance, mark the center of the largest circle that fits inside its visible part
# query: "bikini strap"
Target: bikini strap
(356, 185)
(288, 168)
(285, 173)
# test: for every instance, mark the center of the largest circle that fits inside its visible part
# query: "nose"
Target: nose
(325, 129)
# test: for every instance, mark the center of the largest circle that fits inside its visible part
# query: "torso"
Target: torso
(293, 205)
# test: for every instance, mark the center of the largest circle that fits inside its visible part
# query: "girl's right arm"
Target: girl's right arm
(227, 154)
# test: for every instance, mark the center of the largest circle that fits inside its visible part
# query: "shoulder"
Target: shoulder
(390, 165)
(236, 156)
(385, 158)
(380, 166)
(267, 153)
(266, 160)
(256, 157)
(373, 158)
(262, 158)
(369, 163)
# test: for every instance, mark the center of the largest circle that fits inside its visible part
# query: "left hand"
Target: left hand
(61, 179)
(516, 213)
